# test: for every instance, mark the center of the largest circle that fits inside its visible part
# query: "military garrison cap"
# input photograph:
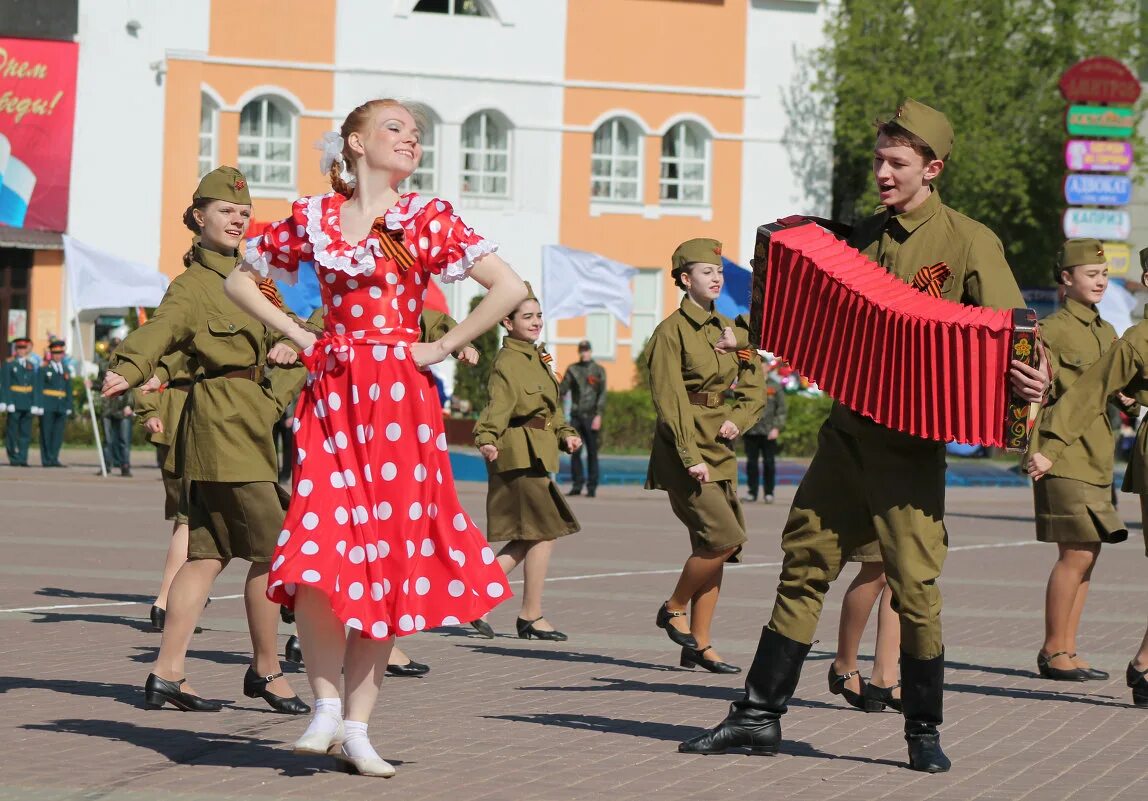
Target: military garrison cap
(584, 345)
(693, 251)
(22, 342)
(529, 292)
(224, 183)
(931, 125)
(1081, 251)
(57, 346)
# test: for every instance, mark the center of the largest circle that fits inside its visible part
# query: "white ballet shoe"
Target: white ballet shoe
(365, 766)
(322, 743)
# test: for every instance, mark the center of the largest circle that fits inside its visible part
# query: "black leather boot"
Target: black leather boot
(1139, 684)
(922, 700)
(754, 722)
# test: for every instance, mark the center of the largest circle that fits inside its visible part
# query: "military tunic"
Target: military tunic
(524, 421)
(174, 372)
(586, 383)
(688, 384)
(224, 447)
(868, 483)
(54, 399)
(1122, 368)
(1074, 502)
(18, 395)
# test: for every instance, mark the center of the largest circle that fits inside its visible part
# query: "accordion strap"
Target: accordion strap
(835, 227)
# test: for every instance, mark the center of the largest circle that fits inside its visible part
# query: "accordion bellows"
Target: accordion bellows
(915, 363)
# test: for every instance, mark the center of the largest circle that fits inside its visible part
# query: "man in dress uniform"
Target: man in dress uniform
(18, 398)
(586, 381)
(868, 483)
(761, 441)
(54, 402)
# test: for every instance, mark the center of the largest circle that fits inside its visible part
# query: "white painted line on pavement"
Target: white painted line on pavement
(586, 577)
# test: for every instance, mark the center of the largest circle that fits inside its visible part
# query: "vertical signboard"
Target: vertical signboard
(37, 110)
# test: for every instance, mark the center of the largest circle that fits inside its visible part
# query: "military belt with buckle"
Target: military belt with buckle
(254, 373)
(540, 423)
(711, 400)
(55, 393)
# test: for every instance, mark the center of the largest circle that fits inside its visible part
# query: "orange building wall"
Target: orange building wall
(639, 41)
(45, 291)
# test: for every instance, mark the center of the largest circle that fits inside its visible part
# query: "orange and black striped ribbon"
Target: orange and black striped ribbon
(547, 359)
(931, 279)
(392, 244)
(745, 354)
(269, 290)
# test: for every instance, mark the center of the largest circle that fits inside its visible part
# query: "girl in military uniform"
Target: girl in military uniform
(159, 412)
(224, 446)
(692, 458)
(519, 434)
(1074, 503)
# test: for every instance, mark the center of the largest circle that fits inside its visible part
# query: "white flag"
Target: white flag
(575, 282)
(99, 280)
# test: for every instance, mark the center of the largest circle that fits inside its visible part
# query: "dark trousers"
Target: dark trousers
(760, 448)
(118, 441)
(18, 436)
(590, 445)
(286, 439)
(52, 437)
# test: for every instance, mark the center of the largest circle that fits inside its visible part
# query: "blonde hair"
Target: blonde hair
(357, 122)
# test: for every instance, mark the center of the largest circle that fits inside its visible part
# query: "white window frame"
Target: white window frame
(484, 9)
(655, 313)
(678, 130)
(485, 117)
(262, 140)
(613, 158)
(209, 162)
(432, 174)
(605, 350)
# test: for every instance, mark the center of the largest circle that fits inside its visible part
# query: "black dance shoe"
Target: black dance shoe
(1091, 673)
(158, 692)
(1139, 684)
(854, 699)
(692, 657)
(663, 622)
(483, 628)
(158, 616)
(526, 630)
(1057, 674)
(411, 668)
(286, 615)
(292, 651)
(877, 698)
(255, 686)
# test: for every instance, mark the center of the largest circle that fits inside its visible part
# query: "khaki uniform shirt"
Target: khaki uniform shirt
(168, 404)
(586, 383)
(1122, 368)
(682, 360)
(932, 233)
(1076, 337)
(522, 387)
(226, 429)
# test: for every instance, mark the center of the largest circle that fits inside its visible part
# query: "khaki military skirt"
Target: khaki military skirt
(526, 505)
(235, 520)
(1068, 510)
(869, 552)
(712, 515)
(172, 488)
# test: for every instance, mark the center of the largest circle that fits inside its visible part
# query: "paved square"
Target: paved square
(597, 717)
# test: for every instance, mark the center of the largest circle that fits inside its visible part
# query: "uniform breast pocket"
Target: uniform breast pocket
(1073, 359)
(229, 340)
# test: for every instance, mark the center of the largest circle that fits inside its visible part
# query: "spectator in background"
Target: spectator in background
(116, 419)
(761, 440)
(585, 380)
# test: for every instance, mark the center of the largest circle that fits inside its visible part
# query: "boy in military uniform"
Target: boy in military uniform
(761, 441)
(586, 381)
(18, 398)
(54, 392)
(869, 483)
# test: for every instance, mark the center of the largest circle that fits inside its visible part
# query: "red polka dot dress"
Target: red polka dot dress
(374, 522)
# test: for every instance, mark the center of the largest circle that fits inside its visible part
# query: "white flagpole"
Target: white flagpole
(87, 383)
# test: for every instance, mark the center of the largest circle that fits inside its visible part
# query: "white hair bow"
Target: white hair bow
(332, 151)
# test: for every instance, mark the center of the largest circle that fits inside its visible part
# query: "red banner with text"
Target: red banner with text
(37, 110)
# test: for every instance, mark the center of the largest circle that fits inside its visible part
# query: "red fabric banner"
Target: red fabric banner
(37, 112)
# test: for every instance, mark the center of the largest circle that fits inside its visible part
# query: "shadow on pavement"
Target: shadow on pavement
(567, 656)
(123, 693)
(199, 748)
(665, 731)
(1038, 695)
(723, 694)
(65, 617)
(61, 592)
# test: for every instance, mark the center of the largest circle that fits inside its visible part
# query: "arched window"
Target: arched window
(425, 178)
(486, 155)
(267, 143)
(208, 134)
(685, 165)
(615, 172)
(462, 8)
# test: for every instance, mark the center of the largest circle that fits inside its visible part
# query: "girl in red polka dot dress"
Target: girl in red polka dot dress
(375, 543)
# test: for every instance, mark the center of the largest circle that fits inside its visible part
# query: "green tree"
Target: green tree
(993, 67)
(471, 382)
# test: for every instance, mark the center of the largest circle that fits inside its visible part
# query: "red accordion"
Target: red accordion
(906, 358)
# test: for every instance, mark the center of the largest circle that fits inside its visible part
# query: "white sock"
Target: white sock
(328, 716)
(355, 741)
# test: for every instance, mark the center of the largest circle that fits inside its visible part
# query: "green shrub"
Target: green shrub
(628, 424)
(805, 415)
(471, 382)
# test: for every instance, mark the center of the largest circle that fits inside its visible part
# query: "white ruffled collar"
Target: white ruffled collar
(334, 252)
